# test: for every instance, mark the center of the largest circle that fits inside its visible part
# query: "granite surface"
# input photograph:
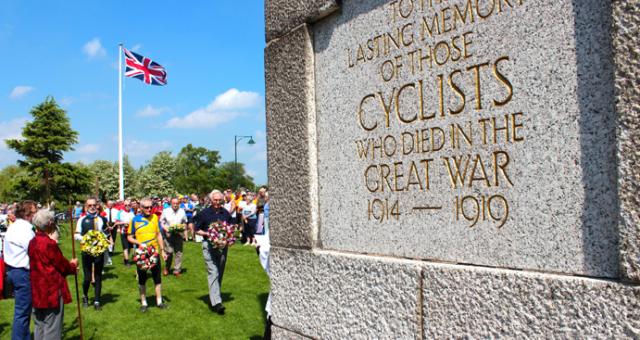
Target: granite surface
(329, 296)
(559, 182)
(291, 145)
(278, 333)
(626, 45)
(281, 16)
(470, 302)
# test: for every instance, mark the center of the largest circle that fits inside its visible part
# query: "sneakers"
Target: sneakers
(85, 302)
(143, 308)
(219, 308)
(96, 306)
(177, 274)
(163, 306)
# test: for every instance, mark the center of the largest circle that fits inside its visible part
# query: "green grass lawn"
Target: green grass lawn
(245, 288)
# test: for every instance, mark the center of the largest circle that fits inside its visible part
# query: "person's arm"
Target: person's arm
(130, 237)
(164, 224)
(161, 244)
(199, 223)
(78, 234)
(60, 263)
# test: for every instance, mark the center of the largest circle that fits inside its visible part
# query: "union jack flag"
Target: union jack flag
(144, 69)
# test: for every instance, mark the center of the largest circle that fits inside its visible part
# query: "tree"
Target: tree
(130, 175)
(156, 178)
(195, 169)
(44, 141)
(9, 179)
(227, 175)
(105, 179)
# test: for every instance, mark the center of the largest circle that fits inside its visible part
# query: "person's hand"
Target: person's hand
(164, 255)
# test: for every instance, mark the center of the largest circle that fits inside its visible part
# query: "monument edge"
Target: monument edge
(626, 21)
(282, 16)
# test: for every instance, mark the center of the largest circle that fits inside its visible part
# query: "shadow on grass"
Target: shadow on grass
(86, 335)
(3, 326)
(108, 298)
(263, 303)
(226, 297)
(151, 300)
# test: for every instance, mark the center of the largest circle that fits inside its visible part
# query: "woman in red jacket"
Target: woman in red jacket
(48, 285)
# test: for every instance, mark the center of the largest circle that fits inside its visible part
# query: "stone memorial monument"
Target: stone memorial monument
(454, 168)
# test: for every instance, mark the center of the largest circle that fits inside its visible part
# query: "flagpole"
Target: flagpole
(73, 255)
(120, 167)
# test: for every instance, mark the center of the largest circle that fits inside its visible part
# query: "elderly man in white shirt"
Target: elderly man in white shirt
(173, 240)
(16, 258)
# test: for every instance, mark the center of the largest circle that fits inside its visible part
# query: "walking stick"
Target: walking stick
(75, 275)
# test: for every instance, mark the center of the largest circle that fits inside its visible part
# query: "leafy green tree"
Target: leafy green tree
(156, 178)
(9, 179)
(105, 179)
(44, 141)
(195, 169)
(130, 175)
(228, 175)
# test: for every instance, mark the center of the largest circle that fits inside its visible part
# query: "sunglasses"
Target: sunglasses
(146, 207)
(92, 205)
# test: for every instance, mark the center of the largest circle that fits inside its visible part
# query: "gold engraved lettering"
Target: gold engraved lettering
(361, 112)
(500, 77)
(476, 69)
(458, 92)
(402, 119)
(500, 166)
(515, 126)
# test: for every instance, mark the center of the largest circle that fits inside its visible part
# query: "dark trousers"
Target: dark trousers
(249, 230)
(21, 282)
(97, 263)
(114, 233)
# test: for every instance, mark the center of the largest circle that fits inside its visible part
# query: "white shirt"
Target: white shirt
(125, 216)
(16, 244)
(112, 214)
(170, 217)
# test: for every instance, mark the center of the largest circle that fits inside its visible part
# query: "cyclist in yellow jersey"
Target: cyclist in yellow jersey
(144, 230)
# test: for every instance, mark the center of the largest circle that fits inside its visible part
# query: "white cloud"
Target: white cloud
(202, 118)
(20, 91)
(150, 111)
(66, 101)
(88, 149)
(11, 129)
(234, 99)
(225, 107)
(93, 48)
(137, 148)
(136, 48)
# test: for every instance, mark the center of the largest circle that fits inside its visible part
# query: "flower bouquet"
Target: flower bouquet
(94, 243)
(176, 228)
(146, 257)
(222, 234)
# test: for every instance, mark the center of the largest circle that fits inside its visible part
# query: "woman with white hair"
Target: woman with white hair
(48, 270)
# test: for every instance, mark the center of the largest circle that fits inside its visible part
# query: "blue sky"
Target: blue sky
(212, 51)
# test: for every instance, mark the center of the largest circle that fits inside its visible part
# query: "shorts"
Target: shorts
(155, 274)
(125, 242)
(190, 219)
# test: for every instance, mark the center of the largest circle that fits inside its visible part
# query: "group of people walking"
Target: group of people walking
(37, 268)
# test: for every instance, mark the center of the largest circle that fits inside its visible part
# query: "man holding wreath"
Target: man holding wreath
(214, 257)
(173, 221)
(144, 231)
